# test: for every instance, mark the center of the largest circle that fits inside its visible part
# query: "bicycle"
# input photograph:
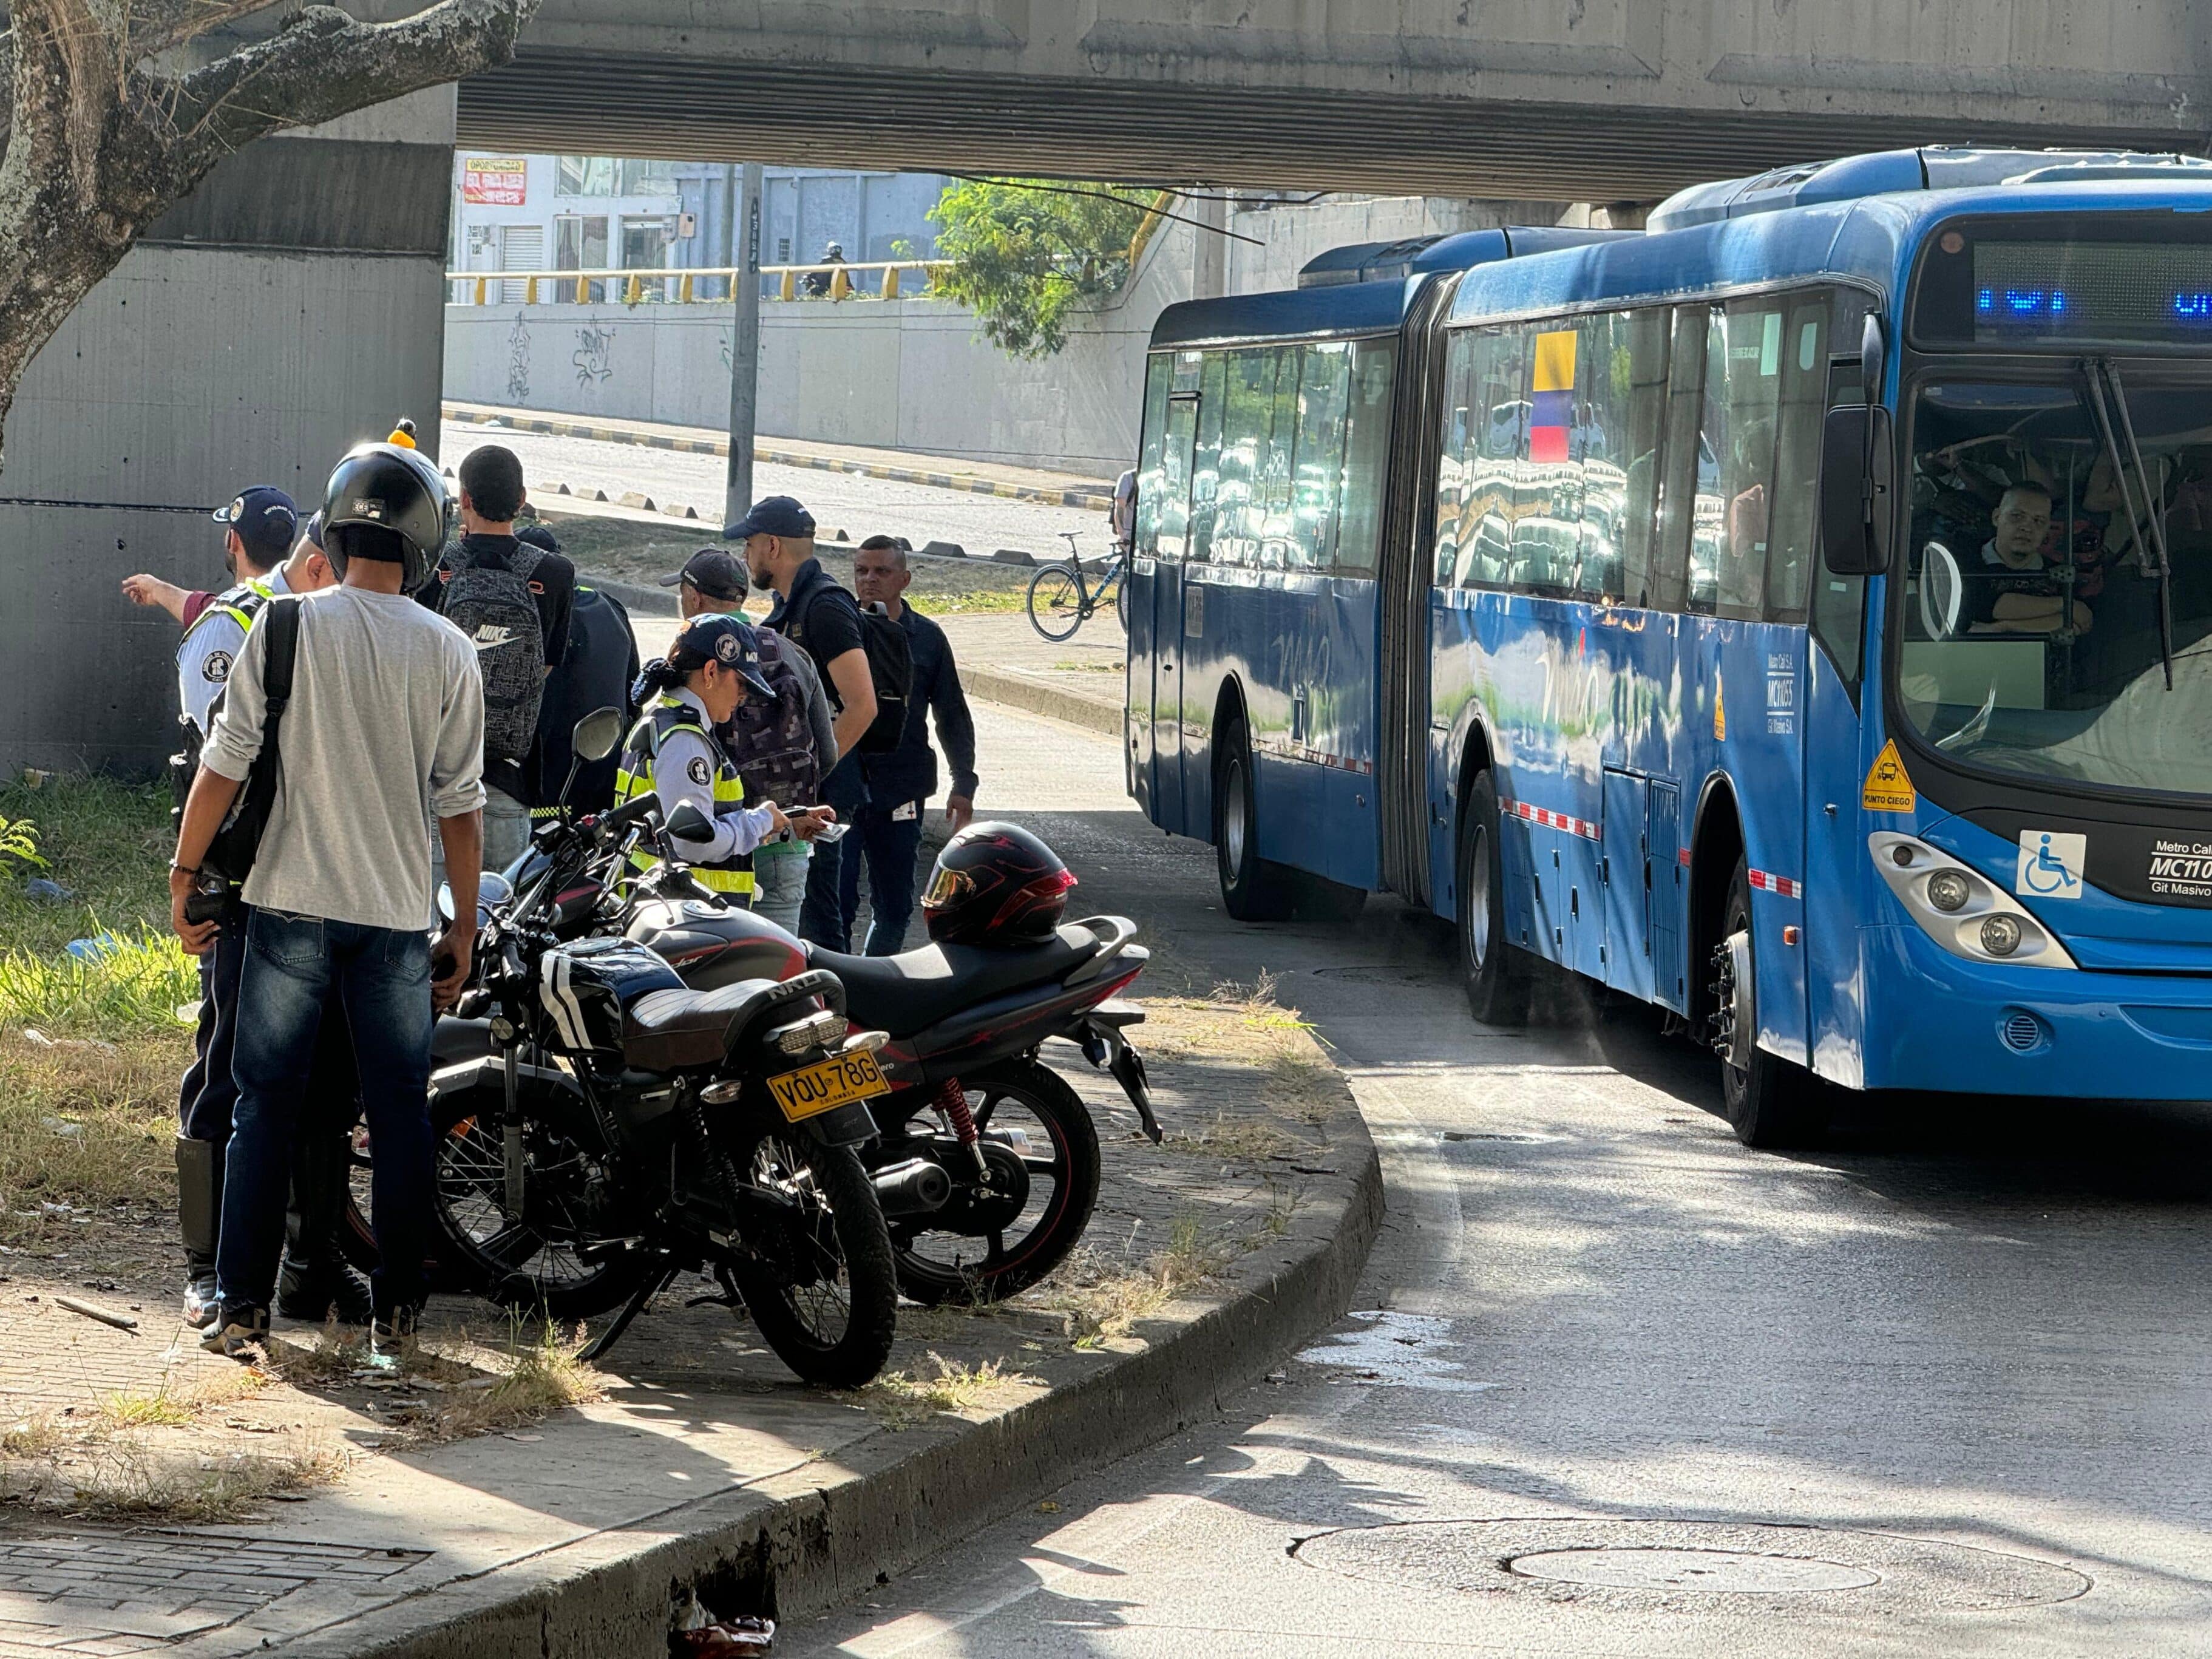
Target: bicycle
(1061, 601)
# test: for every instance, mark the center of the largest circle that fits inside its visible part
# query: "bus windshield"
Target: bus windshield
(2033, 641)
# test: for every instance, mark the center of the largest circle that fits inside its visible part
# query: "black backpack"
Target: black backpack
(890, 668)
(231, 853)
(488, 598)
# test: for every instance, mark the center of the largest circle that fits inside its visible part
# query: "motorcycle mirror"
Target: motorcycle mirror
(597, 734)
(445, 901)
(493, 890)
(688, 823)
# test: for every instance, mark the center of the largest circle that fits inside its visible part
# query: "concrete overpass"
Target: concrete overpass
(1599, 99)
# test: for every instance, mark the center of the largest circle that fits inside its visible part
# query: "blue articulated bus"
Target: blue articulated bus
(1798, 615)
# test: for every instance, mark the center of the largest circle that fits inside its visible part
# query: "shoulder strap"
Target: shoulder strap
(283, 622)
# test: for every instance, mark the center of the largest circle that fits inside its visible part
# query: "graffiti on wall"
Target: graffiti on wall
(518, 360)
(594, 355)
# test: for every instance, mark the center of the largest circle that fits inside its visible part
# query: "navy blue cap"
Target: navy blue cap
(772, 515)
(265, 520)
(714, 571)
(718, 636)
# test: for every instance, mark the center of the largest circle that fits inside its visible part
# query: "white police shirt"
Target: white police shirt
(684, 771)
(211, 645)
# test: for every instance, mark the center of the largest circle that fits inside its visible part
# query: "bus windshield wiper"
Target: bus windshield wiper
(2105, 394)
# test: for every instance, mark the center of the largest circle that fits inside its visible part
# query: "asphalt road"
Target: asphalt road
(839, 501)
(1942, 1388)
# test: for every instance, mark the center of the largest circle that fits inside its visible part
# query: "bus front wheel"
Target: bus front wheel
(1252, 889)
(1497, 979)
(1771, 1103)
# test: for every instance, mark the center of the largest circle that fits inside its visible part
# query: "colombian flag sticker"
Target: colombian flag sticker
(1554, 397)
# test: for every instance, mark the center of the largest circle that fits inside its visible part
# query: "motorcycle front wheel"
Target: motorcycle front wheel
(826, 1296)
(1043, 1148)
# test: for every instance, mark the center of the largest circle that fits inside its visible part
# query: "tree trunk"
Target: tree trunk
(98, 146)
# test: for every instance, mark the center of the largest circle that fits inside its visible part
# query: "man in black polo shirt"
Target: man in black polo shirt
(887, 830)
(816, 614)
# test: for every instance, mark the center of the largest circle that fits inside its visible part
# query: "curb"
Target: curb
(794, 1546)
(1018, 691)
(1097, 498)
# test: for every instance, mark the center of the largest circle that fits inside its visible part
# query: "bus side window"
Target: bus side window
(1501, 408)
(1457, 458)
(1743, 392)
(1366, 456)
(1795, 496)
(1318, 463)
(1274, 531)
(1681, 461)
(1247, 414)
(1837, 610)
(1158, 373)
(1205, 460)
(1637, 424)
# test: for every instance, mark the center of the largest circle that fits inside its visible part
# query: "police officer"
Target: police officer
(713, 666)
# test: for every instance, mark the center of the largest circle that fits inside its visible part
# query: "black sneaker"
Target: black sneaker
(391, 1338)
(305, 1291)
(238, 1333)
(202, 1302)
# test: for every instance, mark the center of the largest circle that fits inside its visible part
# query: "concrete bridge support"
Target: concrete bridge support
(291, 307)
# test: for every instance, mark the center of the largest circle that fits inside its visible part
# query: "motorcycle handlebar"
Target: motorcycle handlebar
(630, 812)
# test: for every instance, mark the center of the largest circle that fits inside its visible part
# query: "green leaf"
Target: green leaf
(1027, 252)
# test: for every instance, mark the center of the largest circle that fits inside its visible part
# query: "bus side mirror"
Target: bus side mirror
(1856, 484)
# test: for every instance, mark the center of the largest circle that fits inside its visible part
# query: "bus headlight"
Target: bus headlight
(1962, 910)
(1949, 891)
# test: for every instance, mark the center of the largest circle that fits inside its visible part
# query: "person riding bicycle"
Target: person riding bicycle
(711, 667)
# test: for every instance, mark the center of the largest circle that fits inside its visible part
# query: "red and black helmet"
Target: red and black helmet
(995, 883)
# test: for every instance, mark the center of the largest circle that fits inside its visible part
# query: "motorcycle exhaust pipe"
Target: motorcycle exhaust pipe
(914, 1187)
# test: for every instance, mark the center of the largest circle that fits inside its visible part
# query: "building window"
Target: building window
(647, 178)
(584, 175)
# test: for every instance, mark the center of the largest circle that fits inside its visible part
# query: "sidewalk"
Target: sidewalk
(705, 1467)
(1018, 483)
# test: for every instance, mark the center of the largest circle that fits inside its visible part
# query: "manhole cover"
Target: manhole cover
(1727, 1570)
(1745, 1566)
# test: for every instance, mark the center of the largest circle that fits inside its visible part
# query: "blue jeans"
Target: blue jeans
(889, 846)
(821, 920)
(779, 884)
(381, 977)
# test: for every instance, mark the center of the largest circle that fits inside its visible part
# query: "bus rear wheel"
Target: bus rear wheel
(1252, 889)
(1771, 1103)
(1496, 978)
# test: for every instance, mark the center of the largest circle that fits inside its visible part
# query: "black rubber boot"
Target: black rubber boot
(199, 1215)
(315, 1279)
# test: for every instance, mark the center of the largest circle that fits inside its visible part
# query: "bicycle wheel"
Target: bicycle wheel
(1055, 601)
(1121, 597)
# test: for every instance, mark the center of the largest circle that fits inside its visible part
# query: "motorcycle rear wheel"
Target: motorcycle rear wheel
(936, 1267)
(834, 1328)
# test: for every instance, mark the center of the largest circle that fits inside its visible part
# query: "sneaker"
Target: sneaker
(238, 1333)
(202, 1301)
(392, 1337)
(312, 1293)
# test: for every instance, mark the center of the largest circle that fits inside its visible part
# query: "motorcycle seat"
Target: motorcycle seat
(667, 1031)
(915, 989)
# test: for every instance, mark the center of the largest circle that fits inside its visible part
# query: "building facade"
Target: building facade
(520, 212)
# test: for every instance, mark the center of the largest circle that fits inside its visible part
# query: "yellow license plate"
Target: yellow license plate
(823, 1088)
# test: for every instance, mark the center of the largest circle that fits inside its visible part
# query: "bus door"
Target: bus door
(1170, 544)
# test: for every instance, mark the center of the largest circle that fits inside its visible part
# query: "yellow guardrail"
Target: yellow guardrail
(658, 284)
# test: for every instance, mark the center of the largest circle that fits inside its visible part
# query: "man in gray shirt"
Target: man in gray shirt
(383, 734)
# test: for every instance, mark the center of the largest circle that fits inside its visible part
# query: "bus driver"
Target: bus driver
(2016, 590)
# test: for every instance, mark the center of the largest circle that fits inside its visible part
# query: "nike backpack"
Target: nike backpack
(773, 743)
(488, 598)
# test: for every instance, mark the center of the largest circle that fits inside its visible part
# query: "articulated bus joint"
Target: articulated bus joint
(1960, 907)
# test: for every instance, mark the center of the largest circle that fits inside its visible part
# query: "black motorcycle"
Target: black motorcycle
(627, 1127)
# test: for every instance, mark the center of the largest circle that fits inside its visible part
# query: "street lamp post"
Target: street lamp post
(744, 356)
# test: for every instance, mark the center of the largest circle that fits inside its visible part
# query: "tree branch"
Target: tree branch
(156, 26)
(324, 64)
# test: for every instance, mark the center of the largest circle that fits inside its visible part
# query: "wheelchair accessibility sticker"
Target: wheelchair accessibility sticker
(2050, 865)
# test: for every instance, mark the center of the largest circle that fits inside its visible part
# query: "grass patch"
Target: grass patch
(543, 1378)
(87, 1126)
(107, 842)
(1107, 1299)
(903, 1400)
(128, 1480)
(132, 987)
(168, 1406)
(1237, 1140)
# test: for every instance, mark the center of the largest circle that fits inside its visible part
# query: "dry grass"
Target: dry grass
(903, 1401)
(1107, 1299)
(542, 1376)
(456, 1389)
(86, 1125)
(1244, 1026)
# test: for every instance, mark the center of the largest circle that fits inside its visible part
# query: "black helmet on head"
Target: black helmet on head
(388, 488)
(995, 883)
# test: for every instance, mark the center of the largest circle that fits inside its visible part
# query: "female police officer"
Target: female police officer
(713, 666)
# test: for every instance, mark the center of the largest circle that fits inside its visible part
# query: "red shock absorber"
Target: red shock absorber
(952, 1106)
